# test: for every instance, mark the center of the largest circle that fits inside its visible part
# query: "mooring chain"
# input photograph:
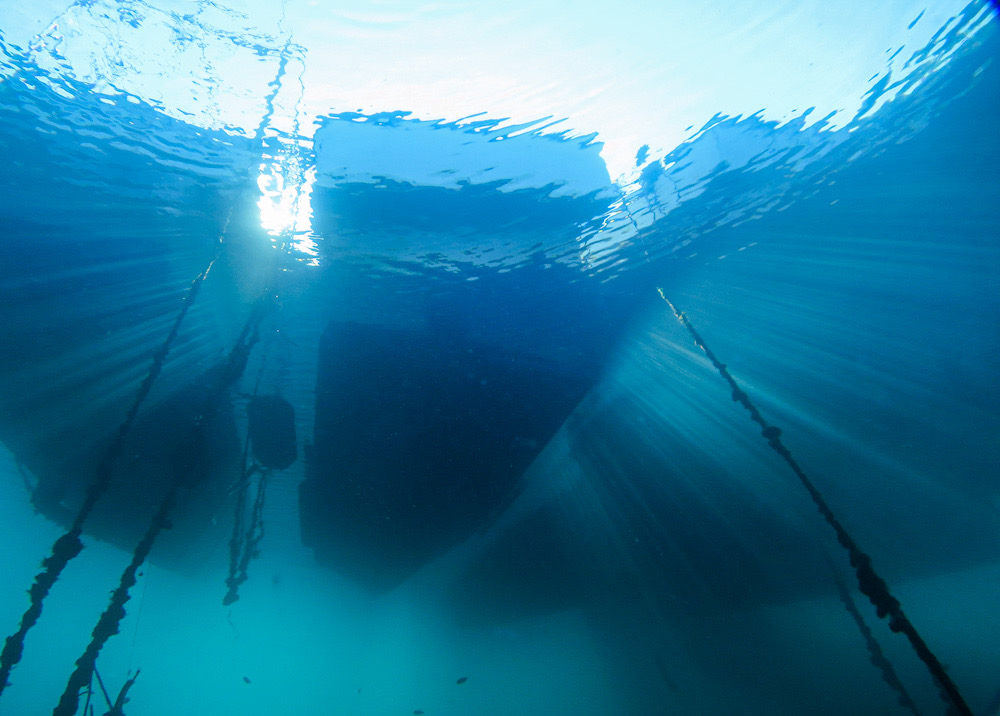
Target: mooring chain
(869, 582)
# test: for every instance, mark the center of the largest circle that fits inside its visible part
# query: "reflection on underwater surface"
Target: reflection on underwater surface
(423, 399)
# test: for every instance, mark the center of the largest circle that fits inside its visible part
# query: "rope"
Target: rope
(243, 543)
(69, 545)
(239, 517)
(138, 620)
(108, 623)
(236, 541)
(104, 690)
(869, 582)
(877, 656)
(240, 562)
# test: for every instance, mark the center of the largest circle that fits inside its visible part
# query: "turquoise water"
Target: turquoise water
(473, 463)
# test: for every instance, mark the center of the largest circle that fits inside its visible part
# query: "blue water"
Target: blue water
(501, 477)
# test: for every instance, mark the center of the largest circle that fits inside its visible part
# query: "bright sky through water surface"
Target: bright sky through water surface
(633, 72)
(628, 76)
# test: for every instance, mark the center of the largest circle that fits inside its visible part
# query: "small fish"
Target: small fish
(462, 680)
(417, 711)
(246, 680)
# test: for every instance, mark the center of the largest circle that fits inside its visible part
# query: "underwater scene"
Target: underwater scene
(459, 358)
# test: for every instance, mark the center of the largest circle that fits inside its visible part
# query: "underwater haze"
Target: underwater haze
(542, 358)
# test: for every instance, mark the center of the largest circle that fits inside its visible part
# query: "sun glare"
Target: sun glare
(285, 208)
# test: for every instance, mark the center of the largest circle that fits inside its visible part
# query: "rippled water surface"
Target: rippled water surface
(357, 331)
